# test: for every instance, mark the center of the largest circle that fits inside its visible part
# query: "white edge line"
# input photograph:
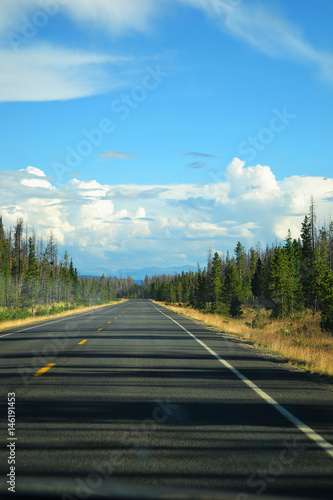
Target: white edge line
(37, 325)
(310, 433)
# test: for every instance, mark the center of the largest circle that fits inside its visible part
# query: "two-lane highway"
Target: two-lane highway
(136, 394)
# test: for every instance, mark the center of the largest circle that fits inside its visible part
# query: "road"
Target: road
(153, 398)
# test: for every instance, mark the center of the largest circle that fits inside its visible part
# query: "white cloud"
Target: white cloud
(44, 73)
(140, 213)
(113, 15)
(33, 171)
(88, 188)
(147, 223)
(251, 183)
(35, 181)
(47, 73)
(267, 31)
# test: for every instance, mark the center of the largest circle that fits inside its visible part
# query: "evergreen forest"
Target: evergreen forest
(286, 278)
(35, 281)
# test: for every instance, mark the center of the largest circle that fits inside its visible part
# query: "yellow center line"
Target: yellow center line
(82, 342)
(109, 322)
(99, 329)
(115, 318)
(43, 370)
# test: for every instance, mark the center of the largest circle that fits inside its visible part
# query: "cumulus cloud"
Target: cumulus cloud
(88, 188)
(251, 183)
(35, 181)
(144, 223)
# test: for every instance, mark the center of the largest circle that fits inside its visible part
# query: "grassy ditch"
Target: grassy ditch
(64, 310)
(299, 340)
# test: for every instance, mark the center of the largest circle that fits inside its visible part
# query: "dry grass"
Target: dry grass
(300, 340)
(7, 325)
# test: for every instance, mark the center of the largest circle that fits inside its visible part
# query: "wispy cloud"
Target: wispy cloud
(198, 155)
(44, 73)
(116, 155)
(113, 16)
(267, 31)
(48, 73)
(197, 164)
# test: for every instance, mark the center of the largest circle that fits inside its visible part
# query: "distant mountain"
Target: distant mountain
(139, 275)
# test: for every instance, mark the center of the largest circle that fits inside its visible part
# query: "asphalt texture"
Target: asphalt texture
(142, 402)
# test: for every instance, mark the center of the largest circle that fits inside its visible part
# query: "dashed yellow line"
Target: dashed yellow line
(82, 342)
(43, 370)
(100, 329)
(109, 322)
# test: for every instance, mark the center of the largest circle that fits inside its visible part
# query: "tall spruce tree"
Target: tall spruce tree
(231, 285)
(326, 298)
(307, 266)
(29, 292)
(216, 283)
(282, 283)
(257, 280)
(2, 232)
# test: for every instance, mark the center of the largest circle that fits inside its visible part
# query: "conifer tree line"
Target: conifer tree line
(33, 278)
(285, 278)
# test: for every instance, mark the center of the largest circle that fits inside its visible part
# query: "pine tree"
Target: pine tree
(231, 284)
(253, 261)
(293, 251)
(257, 280)
(235, 309)
(17, 260)
(240, 260)
(306, 233)
(307, 266)
(326, 298)
(313, 220)
(209, 268)
(2, 232)
(282, 283)
(330, 246)
(29, 292)
(201, 289)
(216, 284)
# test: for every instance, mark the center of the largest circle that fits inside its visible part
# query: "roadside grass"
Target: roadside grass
(7, 325)
(299, 339)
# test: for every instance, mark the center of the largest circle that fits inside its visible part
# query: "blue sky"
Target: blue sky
(144, 133)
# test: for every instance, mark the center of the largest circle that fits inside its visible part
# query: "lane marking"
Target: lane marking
(100, 329)
(109, 322)
(310, 433)
(56, 321)
(43, 370)
(82, 341)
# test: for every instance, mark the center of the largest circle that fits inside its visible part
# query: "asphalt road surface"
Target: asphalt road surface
(136, 394)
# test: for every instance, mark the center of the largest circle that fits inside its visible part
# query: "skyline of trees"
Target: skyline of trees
(286, 278)
(33, 279)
